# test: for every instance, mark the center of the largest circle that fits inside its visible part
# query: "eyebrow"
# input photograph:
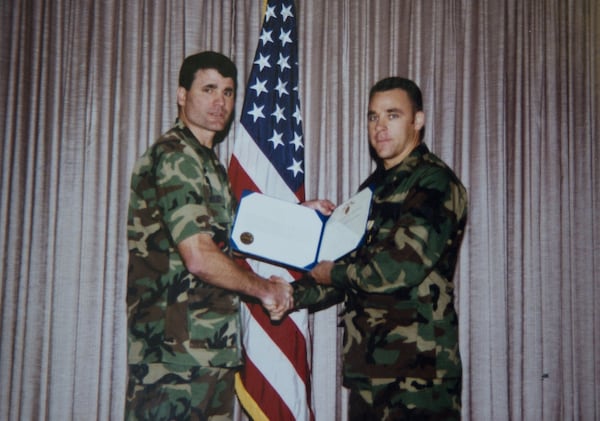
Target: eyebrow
(389, 110)
(393, 110)
(211, 85)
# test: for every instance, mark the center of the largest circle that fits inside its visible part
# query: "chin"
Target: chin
(382, 154)
(218, 127)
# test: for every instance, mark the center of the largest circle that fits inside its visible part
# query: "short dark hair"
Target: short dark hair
(407, 85)
(206, 60)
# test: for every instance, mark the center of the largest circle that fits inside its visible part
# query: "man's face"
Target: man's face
(393, 126)
(207, 107)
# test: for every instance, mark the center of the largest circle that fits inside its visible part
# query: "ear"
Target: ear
(419, 120)
(181, 96)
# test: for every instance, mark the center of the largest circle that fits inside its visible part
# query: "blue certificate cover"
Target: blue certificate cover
(296, 236)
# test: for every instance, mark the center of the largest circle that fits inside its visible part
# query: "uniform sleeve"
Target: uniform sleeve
(182, 194)
(309, 294)
(409, 245)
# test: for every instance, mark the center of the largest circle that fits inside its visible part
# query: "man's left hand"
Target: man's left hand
(326, 207)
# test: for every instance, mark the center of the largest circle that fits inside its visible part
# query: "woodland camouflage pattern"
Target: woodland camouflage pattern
(407, 398)
(178, 189)
(399, 318)
(165, 392)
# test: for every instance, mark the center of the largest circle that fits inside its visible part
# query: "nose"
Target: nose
(379, 125)
(220, 99)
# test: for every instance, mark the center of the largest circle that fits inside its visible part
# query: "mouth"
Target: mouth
(218, 115)
(380, 140)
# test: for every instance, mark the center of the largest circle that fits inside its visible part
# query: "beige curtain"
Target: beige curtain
(512, 98)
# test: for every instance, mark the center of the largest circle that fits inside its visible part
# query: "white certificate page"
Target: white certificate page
(276, 230)
(345, 228)
(298, 236)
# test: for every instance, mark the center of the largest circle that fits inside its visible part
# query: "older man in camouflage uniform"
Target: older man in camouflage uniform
(401, 357)
(182, 296)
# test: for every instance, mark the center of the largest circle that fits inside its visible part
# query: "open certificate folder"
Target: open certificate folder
(293, 235)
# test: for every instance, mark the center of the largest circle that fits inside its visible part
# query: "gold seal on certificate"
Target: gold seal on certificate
(246, 237)
(297, 236)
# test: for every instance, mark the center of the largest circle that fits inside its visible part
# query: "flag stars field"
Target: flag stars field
(281, 88)
(278, 113)
(256, 112)
(286, 12)
(269, 13)
(276, 139)
(296, 168)
(283, 63)
(284, 37)
(297, 116)
(297, 142)
(262, 62)
(271, 112)
(265, 37)
(259, 87)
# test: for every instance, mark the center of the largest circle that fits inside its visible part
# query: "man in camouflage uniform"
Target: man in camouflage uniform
(401, 357)
(182, 295)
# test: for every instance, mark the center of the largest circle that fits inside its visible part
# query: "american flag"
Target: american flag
(268, 157)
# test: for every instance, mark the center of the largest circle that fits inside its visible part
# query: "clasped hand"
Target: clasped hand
(279, 299)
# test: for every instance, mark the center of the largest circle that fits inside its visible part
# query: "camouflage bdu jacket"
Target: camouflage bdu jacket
(399, 318)
(178, 188)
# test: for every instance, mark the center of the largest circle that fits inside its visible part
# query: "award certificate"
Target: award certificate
(293, 235)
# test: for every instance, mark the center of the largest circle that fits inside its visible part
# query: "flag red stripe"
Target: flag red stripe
(300, 193)
(261, 391)
(242, 180)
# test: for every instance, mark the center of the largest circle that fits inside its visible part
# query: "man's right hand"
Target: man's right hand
(279, 300)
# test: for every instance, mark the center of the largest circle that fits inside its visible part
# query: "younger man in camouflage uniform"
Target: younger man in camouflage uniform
(401, 358)
(183, 321)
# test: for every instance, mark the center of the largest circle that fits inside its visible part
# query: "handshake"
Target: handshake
(278, 298)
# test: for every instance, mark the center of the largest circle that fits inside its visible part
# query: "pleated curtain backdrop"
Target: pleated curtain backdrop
(512, 101)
